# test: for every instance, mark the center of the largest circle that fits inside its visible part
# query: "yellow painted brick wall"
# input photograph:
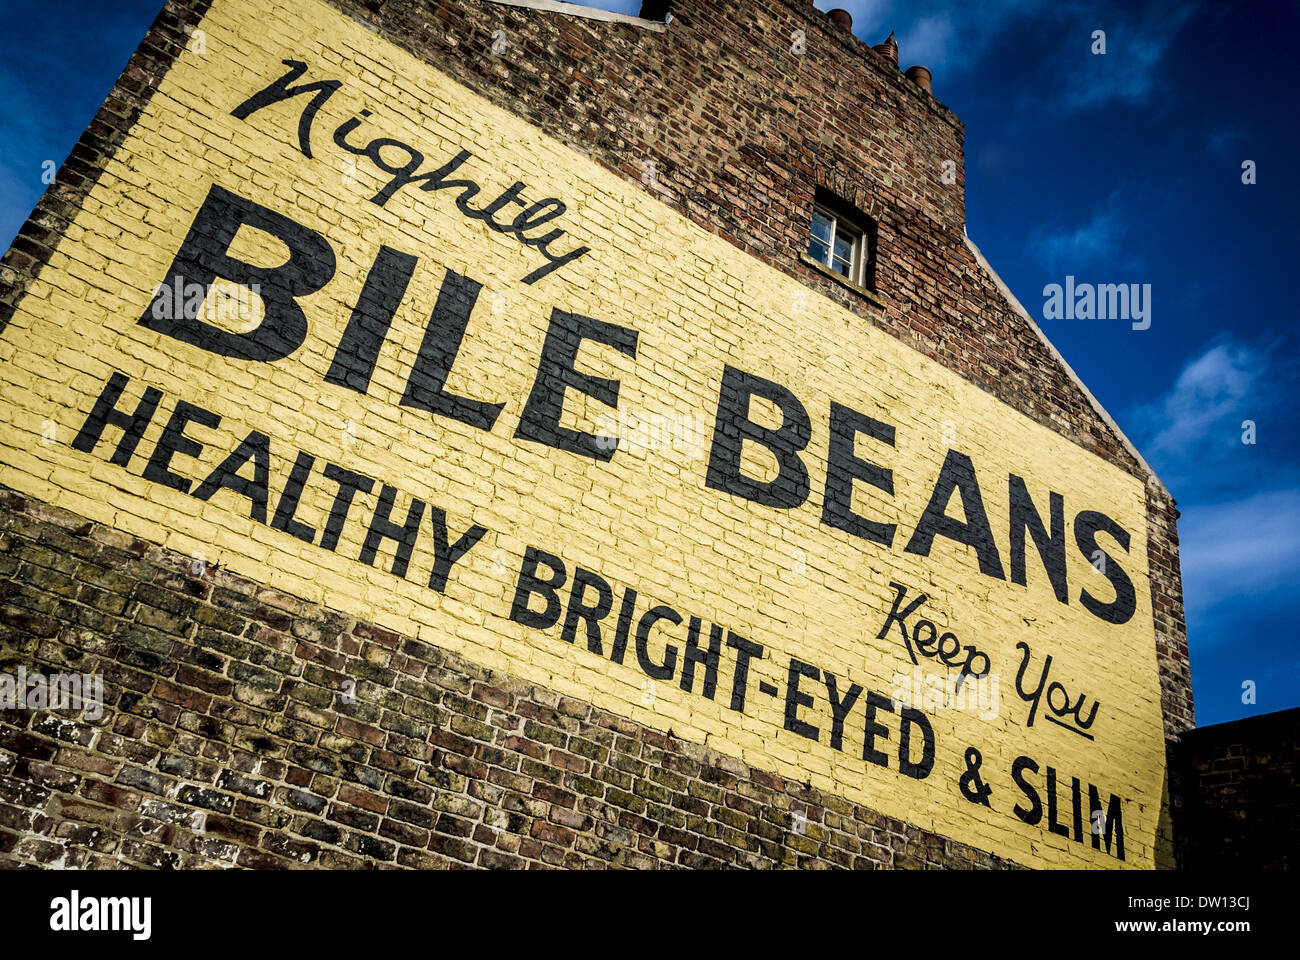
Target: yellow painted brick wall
(645, 519)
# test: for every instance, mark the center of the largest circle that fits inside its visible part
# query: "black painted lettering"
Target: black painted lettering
(917, 769)
(794, 699)
(203, 258)
(1051, 547)
(895, 616)
(280, 90)
(437, 179)
(746, 650)
(1052, 824)
(173, 441)
(1113, 825)
(1086, 527)
(872, 729)
(958, 473)
(659, 671)
(445, 553)
(928, 646)
(733, 427)
(358, 350)
(1036, 695)
(624, 628)
(488, 213)
(349, 484)
(382, 528)
(132, 425)
(843, 467)
(540, 421)
(1033, 813)
(1076, 802)
(589, 613)
(257, 448)
(840, 707)
(709, 657)
(288, 505)
(530, 584)
(438, 349)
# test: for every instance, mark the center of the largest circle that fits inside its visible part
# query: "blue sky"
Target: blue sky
(1117, 168)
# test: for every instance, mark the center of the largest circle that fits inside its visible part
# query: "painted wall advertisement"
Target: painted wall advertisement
(334, 322)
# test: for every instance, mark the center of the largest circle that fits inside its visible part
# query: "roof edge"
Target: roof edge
(590, 13)
(1096, 404)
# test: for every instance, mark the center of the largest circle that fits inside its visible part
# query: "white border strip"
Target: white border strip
(578, 10)
(1096, 405)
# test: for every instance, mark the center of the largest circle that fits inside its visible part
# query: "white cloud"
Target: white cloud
(928, 41)
(1129, 69)
(1206, 400)
(1224, 139)
(1239, 549)
(1073, 249)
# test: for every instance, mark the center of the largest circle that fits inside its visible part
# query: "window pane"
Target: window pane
(843, 267)
(821, 226)
(844, 246)
(819, 251)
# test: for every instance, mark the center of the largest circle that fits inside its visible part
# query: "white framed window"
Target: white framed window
(840, 245)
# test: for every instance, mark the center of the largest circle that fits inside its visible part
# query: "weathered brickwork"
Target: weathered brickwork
(226, 739)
